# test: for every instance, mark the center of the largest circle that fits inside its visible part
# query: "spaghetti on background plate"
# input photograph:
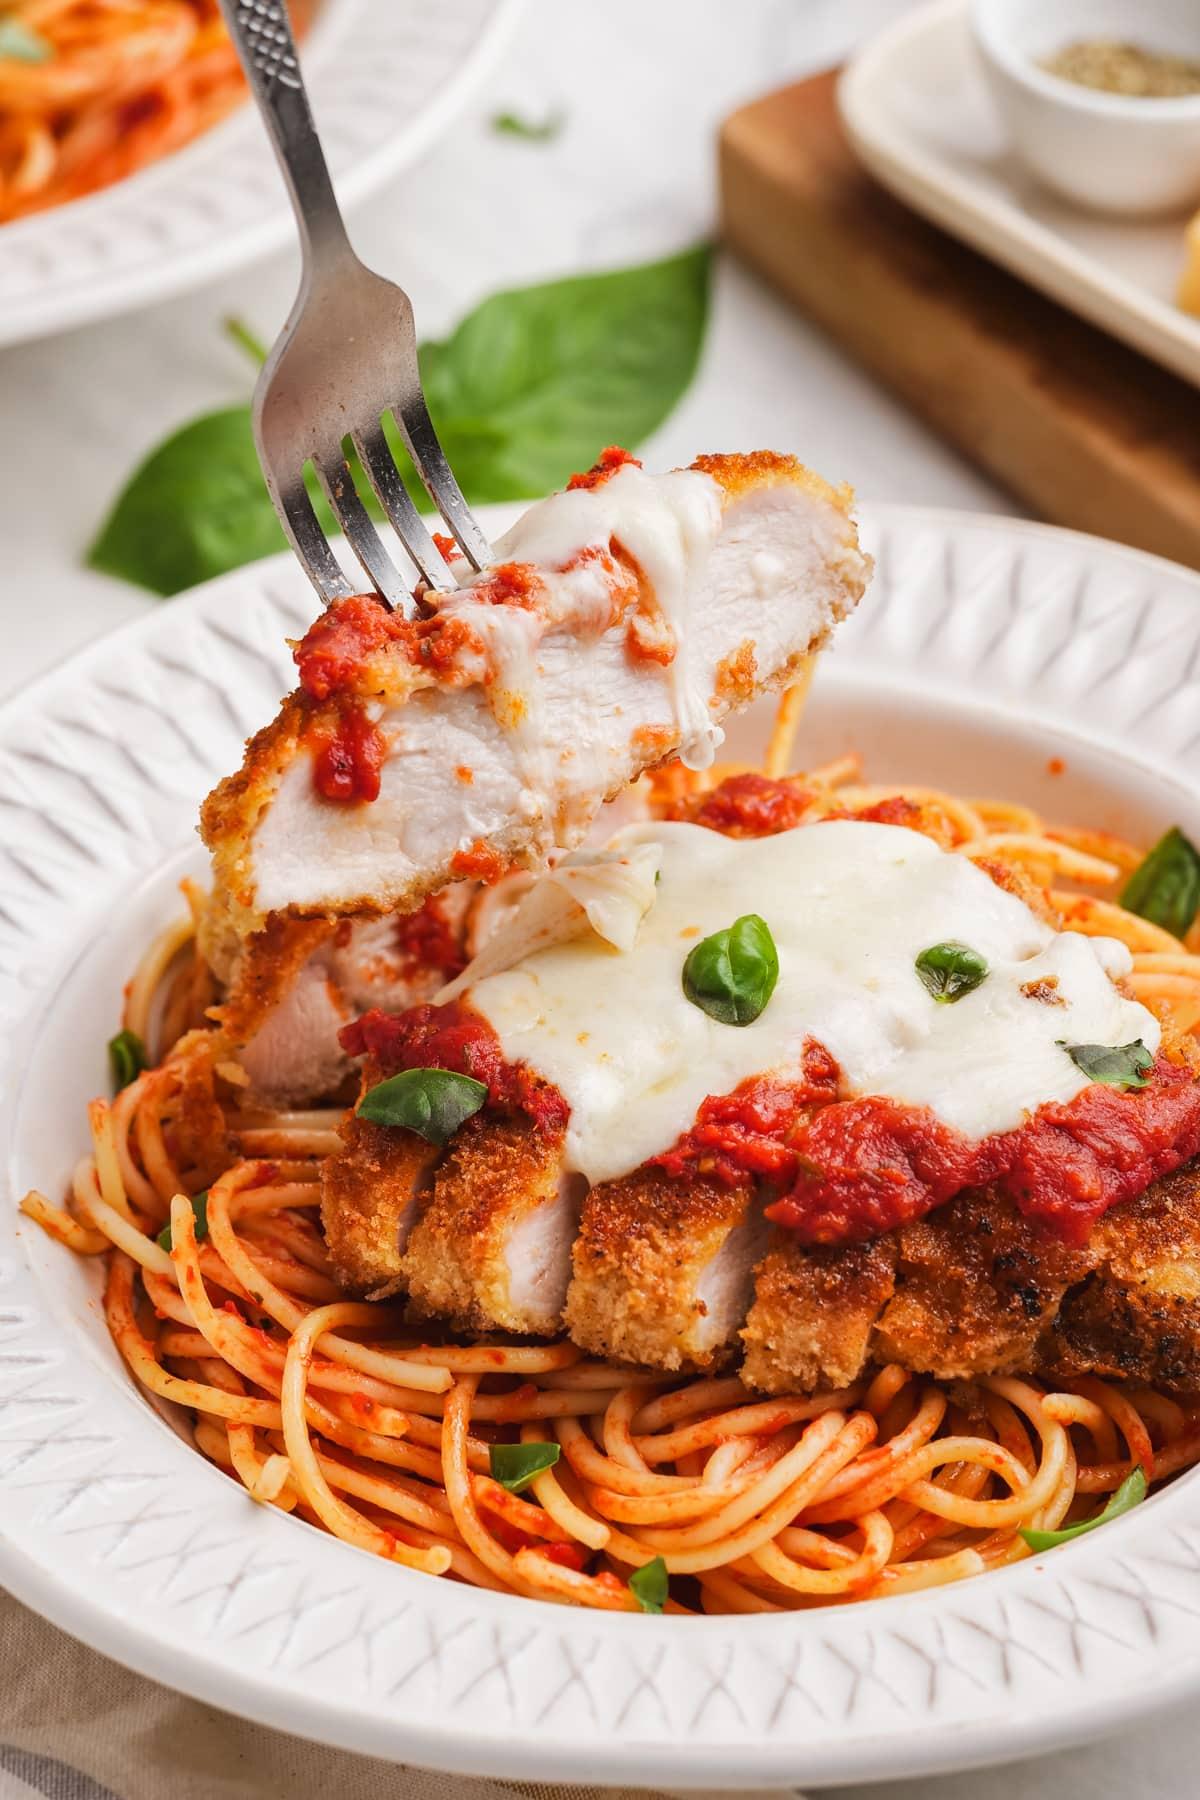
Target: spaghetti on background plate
(92, 90)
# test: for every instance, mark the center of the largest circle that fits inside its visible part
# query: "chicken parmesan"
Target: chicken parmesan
(554, 1159)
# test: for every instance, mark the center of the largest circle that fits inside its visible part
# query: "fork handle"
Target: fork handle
(262, 36)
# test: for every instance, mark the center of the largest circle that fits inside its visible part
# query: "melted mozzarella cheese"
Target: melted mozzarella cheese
(668, 524)
(850, 906)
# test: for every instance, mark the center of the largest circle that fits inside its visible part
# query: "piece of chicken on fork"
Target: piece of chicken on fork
(623, 620)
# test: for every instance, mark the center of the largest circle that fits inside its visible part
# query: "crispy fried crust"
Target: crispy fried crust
(267, 965)
(369, 1193)
(497, 1172)
(199, 1139)
(975, 1285)
(1138, 1315)
(813, 1314)
(644, 1245)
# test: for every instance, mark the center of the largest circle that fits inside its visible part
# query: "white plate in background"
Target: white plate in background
(918, 113)
(385, 76)
(989, 655)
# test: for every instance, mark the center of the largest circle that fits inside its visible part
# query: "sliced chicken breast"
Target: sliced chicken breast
(292, 990)
(1137, 1317)
(492, 1247)
(623, 620)
(663, 1270)
(370, 1195)
(814, 1313)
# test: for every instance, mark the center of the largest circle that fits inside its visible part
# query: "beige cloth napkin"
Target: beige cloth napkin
(75, 1726)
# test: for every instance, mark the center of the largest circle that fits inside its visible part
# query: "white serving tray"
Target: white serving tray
(917, 110)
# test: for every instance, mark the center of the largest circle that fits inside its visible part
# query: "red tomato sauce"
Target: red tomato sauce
(479, 862)
(510, 584)
(332, 651)
(457, 1038)
(751, 1130)
(427, 939)
(605, 466)
(864, 1166)
(348, 754)
(753, 806)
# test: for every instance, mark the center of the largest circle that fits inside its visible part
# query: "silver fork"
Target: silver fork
(346, 356)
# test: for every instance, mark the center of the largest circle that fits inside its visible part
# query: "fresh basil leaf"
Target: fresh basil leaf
(649, 1585)
(18, 43)
(522, 394)
(199, 1213)
(431, 1102)
(1165, 886)
(126, 1058)
(1117, 1065)
(515, 1465)
(950, 970)
(195, 508)
(732, 974)
(510, 124)
(536, 379)
(1131, 1491)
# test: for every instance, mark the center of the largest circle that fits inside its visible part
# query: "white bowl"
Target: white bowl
(1008, 658)
(1108, 152)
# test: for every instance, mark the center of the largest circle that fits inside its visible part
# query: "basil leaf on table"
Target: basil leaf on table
(528, 389)
(1131, 1491)
(126, 1058)
(649, 1585)
(536, 131)
(537, 380)
(949, 971)
(514, 1466)
(732, 974)
(1165, 886)
(199, 1214)
(195, 508)
(431, 1102)
(1116, 1065)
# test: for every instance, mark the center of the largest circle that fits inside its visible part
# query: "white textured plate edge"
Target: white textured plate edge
(1049, 1652)
(219, 249)
(942, 193)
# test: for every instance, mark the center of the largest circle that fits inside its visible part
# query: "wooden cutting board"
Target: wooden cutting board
(1082, 430)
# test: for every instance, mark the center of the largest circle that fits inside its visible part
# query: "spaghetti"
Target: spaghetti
(337, 1411)
(92, 90)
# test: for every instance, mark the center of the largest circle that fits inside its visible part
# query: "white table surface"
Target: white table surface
(644, 84)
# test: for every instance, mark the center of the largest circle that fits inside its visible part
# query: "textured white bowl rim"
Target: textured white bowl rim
(219, 202)
(945, 192)
(123, 1536)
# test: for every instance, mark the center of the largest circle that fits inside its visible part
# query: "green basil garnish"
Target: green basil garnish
(950, 970)
(537, 131)
(199, 1214)
(1117, 1065)
(126, 1058)
(515, 1465)
(732, 974)
(1165, 887)
(431, 1102)
(649, 1587)
(1130, 1492)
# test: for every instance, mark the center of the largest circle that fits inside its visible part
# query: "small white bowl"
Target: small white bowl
(1108, 152)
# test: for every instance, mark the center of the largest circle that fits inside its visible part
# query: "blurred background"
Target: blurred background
(636, 93)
